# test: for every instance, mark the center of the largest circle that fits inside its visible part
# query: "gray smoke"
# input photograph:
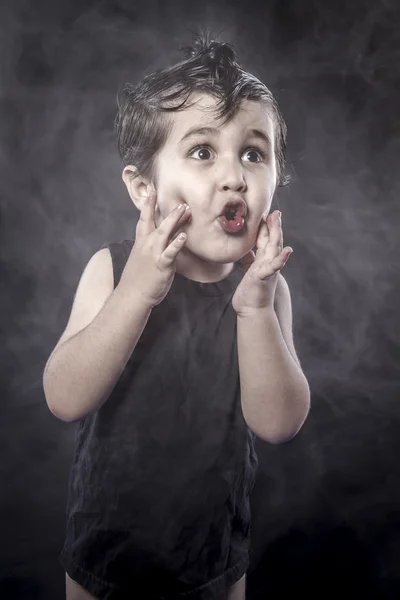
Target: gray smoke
(334, 68)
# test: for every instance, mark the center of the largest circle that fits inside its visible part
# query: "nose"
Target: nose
(231, 176)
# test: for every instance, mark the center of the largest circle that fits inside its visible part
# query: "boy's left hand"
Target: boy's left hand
(257, 288)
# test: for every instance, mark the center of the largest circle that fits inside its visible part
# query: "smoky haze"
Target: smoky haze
(326, 503)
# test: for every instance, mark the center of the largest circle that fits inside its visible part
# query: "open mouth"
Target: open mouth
(230, 213)
(233, 216)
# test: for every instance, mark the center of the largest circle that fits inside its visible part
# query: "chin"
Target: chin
(220, 256)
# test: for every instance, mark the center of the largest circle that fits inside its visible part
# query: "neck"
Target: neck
(195, 268)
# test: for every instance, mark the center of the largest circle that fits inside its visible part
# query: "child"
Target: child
(178, 350)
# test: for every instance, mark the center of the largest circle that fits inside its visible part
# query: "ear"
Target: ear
(136, 186)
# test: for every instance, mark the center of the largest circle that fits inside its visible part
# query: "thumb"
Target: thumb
(248, 260)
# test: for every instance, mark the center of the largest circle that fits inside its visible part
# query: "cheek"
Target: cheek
(169, 192)
(191, 190)
(268, 196)
(169, 197)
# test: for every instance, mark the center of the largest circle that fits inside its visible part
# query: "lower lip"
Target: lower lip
(231, 226)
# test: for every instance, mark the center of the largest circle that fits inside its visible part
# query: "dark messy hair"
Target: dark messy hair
(142, 122)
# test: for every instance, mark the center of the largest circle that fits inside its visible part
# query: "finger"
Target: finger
(269, 268)
(275, 238)
(146, 224)
(263, 234)
(278, 229)
(170, 254)
(170, 225)
(247, 260)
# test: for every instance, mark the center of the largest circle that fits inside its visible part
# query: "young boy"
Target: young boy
(179, 350)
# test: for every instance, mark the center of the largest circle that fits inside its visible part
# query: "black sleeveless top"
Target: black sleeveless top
(160, 481)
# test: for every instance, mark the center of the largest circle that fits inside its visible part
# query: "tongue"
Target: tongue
(232, 225)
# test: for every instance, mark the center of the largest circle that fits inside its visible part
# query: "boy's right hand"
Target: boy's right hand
(150, 268)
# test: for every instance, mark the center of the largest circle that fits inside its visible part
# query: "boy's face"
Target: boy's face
(207, 170)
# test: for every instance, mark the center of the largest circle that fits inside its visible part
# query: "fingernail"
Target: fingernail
(279, 214)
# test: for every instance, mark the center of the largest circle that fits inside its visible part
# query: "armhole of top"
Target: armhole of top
(120, 252)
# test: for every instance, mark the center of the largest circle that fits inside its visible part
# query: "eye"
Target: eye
(204, 153)
(258, 154)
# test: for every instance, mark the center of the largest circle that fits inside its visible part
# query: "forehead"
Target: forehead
(251, 115)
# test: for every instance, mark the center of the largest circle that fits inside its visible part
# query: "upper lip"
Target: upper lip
(238, 203)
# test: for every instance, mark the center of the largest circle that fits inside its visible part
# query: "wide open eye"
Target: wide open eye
(258, 154)
(203, 153)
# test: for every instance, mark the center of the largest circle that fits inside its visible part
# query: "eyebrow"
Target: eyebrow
(256, 133)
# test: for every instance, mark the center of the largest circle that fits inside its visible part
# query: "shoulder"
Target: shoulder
(95, 286)
(99, 268)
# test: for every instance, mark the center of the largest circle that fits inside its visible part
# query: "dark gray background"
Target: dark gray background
(326, 511)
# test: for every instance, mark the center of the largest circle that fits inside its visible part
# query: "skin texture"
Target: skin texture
(230, 163)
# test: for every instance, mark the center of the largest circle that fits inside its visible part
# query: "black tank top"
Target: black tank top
(161, 475)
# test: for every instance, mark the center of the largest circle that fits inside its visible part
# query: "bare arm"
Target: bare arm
(275, 394)
(106, 324)
(86, 364)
